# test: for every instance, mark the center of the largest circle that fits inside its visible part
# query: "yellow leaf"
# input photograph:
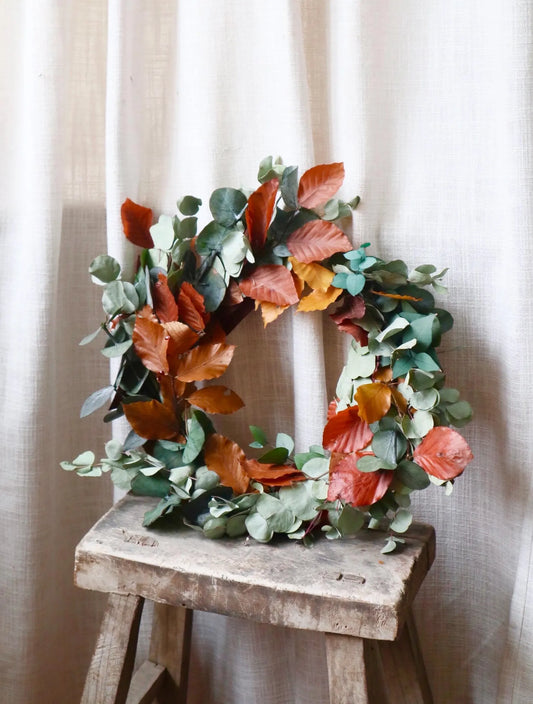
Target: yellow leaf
(373, 401)
(316, 275)
(270, 311)
(319, 300)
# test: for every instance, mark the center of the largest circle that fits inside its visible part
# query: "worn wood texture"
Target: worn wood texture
(146, 683)
(406, 677)
(170, 646)
(109, 675)
(344, 586)
(354, 671)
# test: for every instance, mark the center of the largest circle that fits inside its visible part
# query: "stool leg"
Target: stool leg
(354, 671)
(109, 675)
(407, 681)
(170, 646)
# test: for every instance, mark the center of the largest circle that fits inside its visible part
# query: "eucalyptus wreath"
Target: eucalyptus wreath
(391, 428)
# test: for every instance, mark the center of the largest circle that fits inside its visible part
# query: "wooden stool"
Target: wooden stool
(346, 589)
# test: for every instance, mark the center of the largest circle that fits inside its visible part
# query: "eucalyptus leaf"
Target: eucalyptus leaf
(96, 400)
(402, 521)
(214, 528)
(189, 205)
(277, 455)
(104, 268)
(389, 445)
(289, 187)
(120, 297)
(424, 400)
(259, 436)
(300, 500)
(369, 463)
(163, 508)
(163, 233)
(284, 440)
(236, 525)
(227, 205)
(195, 440)
(150, 485)
(412, 475)
(316, 467)
(89, 338)
(117, 350)
(350, 521)
(258, 528)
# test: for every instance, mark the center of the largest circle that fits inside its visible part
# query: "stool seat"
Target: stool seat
(346, 589)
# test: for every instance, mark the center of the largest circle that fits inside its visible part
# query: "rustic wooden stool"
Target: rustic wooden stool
(346, 589)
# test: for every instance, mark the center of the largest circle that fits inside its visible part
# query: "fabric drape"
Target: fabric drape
(429, 107)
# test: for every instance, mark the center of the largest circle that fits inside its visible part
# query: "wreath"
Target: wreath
(388, 431)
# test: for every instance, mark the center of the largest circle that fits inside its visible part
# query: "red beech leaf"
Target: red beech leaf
(346, 432)
(357, 488)
(216, 399)
(317, 240)
(152, 420)
(356, 331)
(373, 401)
(332, 409)
(353, 307)
(319, 184)
(272, 283)
(226, 458)
(191, 307)
(259, 213)
(273, 474)
(136, 221)
(165, 304)
(150, 341)
(205, 362)
(443, 453)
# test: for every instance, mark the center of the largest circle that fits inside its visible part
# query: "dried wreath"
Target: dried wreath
(388, 429)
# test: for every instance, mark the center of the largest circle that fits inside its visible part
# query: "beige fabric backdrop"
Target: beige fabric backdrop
(429, 106)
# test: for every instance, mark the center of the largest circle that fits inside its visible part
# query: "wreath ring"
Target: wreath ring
(390, 429)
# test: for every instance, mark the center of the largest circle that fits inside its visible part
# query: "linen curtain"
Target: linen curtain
(429, 107)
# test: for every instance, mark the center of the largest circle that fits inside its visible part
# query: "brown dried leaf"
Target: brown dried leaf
(317, 240)
(273, 474)
(373, 401)
(272, 283)
(443, 453)
(357, 488)
(259, 213)
(165, 304)
(346, 432)
(216, 399)
(205, 362)
(150, 341)
(226, 458)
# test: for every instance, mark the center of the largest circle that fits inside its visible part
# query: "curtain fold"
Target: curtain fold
(429, 106)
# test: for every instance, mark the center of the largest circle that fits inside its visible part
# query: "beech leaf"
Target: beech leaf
(259, 213)
(319, 300)
(270, 311)
(152, 420)
(191, 307)
(273, 474)
(319, 184)
(346, 432)
(373, 400)
(317, 240)
(205, 362)
(136, 221)
(357, 488)
(165, 304)
(316, 275)
(182, 337)
(150, 341)
(226, 458)
(216, 399)
(443, 453)
(272, 283)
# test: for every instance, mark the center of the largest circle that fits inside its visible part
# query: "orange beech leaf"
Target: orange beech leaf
(152, 420)
(270, 311)
(319, 300)
(150, 341)
(165, 304)
(259, 213)
(357, 488)
(205, 362)
(316, 275)
(397, 296)
(383, 374)
(226, 458)
(319, 184)
(317, 240)
(273, 474)
(191, 307)
(443, 453)
(299, 284)
(272, 283)
(213, 333)
(373, 401)
(136, 221)
(399, 400)
(148, 313)
(216, 399)
(171, 389)
(182, 337)
(346, 432)
(332, 409)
